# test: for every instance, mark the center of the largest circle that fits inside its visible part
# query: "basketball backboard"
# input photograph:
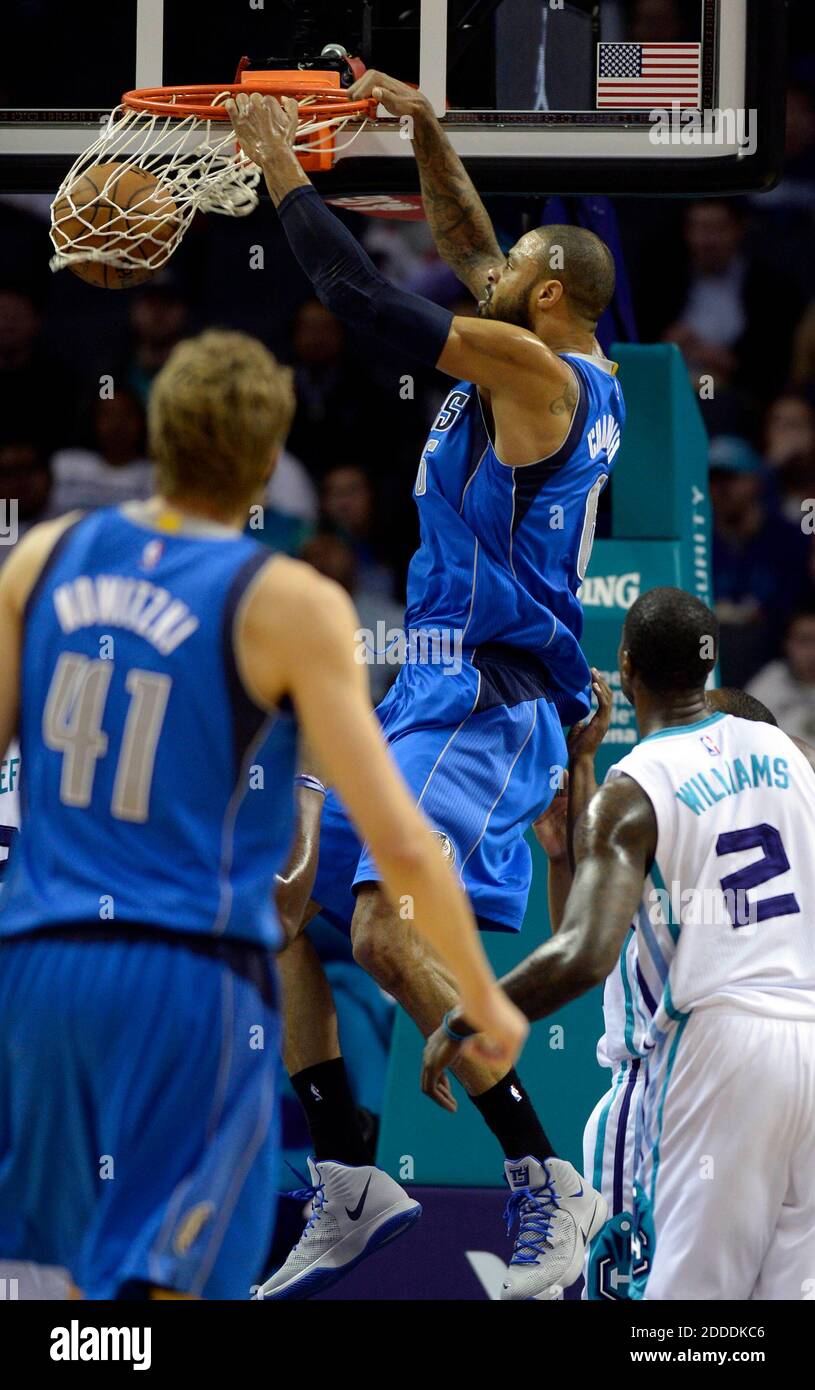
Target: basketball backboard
(539, 96)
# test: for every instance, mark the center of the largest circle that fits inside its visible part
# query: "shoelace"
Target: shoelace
(308, 1193)
(534, 1215)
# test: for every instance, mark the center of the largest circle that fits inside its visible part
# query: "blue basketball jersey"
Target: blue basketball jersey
(504, 550)
(153, 790)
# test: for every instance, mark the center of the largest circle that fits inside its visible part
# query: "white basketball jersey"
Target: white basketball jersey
(628, 1005)
(9, 803)
(728, 913)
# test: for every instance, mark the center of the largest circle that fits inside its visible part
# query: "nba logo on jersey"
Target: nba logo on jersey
(448, 849)
(151, 554)
(710, 744)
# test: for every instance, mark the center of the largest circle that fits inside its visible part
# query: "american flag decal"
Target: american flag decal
(644, 76)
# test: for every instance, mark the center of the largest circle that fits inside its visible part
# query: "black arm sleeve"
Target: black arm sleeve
(349, 284)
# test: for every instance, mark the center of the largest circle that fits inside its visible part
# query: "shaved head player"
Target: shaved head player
(507, 492)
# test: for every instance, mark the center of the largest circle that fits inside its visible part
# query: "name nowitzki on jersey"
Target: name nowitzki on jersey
(396, 646)
(75, 1343)
(111, 600)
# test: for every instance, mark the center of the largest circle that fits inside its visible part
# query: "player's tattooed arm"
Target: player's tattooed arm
(461, 227)
(460, 223)
(615, 843)
(565, 402)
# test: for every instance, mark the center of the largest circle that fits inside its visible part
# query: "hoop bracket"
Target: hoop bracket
(321, 98)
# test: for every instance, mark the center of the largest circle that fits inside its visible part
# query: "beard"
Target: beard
(505, 308)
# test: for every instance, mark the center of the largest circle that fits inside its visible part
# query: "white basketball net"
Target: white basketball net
(198, 167)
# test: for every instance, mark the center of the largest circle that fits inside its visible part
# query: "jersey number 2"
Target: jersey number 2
(773, 862)
(72, 726)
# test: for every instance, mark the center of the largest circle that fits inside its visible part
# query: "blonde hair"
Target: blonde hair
(218, 408)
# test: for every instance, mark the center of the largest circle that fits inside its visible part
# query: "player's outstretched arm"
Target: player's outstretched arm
(296, 635)
(461, 226)
(615, 842)
(499, 356)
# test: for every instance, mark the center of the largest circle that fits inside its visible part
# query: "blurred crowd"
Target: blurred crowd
(730, 281)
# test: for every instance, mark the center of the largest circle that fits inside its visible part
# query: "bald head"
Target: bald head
(553, 274)
(583, 264)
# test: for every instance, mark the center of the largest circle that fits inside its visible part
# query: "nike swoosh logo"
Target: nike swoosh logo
(357, 1212)
(585, 1231)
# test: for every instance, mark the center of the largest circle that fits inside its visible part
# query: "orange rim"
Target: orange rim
(323, 102)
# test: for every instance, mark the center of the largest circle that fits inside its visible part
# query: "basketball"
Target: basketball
(114, 210)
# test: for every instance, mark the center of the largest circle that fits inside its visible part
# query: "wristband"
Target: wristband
(450, 1032)
(312, 784)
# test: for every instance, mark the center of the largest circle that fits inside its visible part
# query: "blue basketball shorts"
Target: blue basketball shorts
(138, 1124)
(482, 754)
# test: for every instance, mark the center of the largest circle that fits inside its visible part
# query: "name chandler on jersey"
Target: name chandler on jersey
(705, 789)
(112, 600)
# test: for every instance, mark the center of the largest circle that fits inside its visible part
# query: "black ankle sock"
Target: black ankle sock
(511, 1116)
(325, 1095)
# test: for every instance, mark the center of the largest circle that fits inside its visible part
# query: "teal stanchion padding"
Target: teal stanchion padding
(660, 475)
(661, 535)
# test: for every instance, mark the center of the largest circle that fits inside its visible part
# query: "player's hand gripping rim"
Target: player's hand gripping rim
(398, 98)
(266, 126)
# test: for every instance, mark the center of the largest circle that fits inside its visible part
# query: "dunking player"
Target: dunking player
(701, 836)
(147, 654)
(507, 492)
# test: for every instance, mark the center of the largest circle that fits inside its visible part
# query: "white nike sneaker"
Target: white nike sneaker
(354, 1212)
(557, 1215)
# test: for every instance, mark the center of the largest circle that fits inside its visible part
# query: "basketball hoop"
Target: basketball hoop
(180, 140)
